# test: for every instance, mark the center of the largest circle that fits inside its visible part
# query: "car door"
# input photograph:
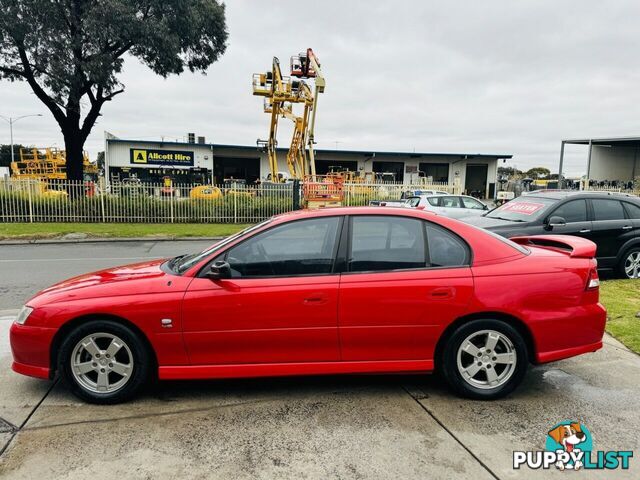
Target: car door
(450, 206)
(611, 229)
(575, 215)
(405, 280)
(280, 304)
(471, 206)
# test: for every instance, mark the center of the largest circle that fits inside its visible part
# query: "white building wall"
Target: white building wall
(614, 163)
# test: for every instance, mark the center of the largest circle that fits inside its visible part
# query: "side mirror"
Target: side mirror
(485, 207)
(555, 221)
(219, 270)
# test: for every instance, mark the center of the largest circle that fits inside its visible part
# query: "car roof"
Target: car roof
(442, 195)
(562, 194)
(327, 212)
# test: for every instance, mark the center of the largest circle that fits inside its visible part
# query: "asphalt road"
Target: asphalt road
(26, 269)
(335, 427)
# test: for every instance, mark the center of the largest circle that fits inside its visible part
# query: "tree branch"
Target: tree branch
(38, 90)
(12, 71)
(97, 101)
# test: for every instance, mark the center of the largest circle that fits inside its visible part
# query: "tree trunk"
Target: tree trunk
(74, 145)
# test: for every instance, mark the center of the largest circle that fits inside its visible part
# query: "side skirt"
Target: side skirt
(194, 372)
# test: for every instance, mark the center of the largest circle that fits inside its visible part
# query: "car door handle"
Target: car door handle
(627, 227)
(443, 292)
(584, 230)
(315, 300)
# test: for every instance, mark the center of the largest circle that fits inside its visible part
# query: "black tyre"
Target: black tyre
(629, 266)
(104, 362)
(484, 359)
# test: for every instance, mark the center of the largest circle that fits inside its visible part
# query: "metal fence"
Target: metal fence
(137, 202)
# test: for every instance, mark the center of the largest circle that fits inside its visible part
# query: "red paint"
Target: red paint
(338, 323)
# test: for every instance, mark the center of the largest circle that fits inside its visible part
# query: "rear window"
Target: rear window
(523, 209)
(413, 201)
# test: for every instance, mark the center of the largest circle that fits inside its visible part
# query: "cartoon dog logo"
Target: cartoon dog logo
(569, 436)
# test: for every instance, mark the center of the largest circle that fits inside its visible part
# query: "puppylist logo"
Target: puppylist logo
(569, 446)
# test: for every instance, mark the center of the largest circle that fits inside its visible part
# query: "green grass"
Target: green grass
(24, 231)
(622, 300)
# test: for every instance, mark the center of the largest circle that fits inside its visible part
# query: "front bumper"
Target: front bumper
(31, 347)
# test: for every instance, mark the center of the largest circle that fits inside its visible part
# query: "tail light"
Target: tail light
(594, 280)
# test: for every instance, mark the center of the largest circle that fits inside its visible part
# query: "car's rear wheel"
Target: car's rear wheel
(629, 266)
(484, 359)
(104, 362)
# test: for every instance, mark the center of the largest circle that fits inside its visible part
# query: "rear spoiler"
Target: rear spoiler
(575, 246)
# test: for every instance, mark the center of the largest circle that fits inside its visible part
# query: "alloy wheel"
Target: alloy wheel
(632, 265)
(486, 359)
(102, 363)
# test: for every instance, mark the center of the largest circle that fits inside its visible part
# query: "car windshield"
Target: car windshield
(182, 263)
(523, 209)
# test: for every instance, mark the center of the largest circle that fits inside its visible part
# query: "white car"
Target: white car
(420, 193)
(453, 206)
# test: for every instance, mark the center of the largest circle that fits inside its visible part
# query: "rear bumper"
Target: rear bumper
(30, 347)
(552, 356)
(581, 332)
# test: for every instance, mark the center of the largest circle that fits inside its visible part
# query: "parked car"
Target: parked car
(389, 203)
(417, 193)
(611, 220)
(454, 206)
(416, 291)
(404, 198)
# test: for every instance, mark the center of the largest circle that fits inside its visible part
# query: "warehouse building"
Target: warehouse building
(201, 162)
(609, 160)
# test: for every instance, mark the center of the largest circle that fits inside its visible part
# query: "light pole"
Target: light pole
(11, 121)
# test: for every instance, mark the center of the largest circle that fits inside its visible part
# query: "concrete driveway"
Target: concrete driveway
(320, 427)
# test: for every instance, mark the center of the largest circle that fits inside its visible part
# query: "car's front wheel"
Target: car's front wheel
(104, 362)
(484, 359)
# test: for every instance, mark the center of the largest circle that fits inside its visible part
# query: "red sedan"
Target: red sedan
(343, 290)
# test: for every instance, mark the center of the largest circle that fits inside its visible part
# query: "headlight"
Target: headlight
(23, 315)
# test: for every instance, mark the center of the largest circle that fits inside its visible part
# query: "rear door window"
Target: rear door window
(605, 209)
(573, 211)
(445, 248)
(451, 202)
(633, 210)
(386, 243)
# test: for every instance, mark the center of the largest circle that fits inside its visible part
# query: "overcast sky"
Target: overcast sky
(457, 76)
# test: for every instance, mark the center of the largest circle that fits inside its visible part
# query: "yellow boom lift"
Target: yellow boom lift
(281, 94)
(46, 164)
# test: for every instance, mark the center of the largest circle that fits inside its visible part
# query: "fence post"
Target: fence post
(235, 205)
(171, 204)
(296, 195)
(101, 192)
(29, 184)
